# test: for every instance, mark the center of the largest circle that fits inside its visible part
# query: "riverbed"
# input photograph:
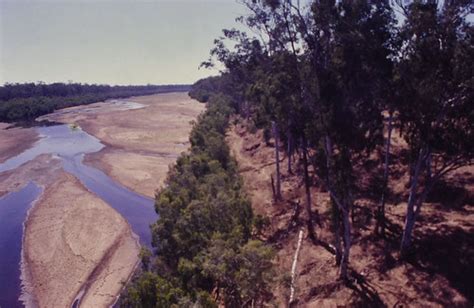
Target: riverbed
(112, 156)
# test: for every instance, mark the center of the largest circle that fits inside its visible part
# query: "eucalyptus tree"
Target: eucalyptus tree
(348, 54)
(278, 89)
(438, 85)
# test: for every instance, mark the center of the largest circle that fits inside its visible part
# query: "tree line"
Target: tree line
(327, 80)
(26, 101)
(204, 250)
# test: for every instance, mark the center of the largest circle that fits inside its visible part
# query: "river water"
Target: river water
(13, 209)
(70, 145)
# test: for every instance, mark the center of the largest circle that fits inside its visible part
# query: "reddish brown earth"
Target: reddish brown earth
(440, 274)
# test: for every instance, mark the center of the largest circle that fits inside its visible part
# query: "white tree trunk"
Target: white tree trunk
(337, 227)
(380, 228)
(293, 267)
(410, 216)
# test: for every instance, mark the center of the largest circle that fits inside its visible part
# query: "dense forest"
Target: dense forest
(331, 82)
(26, 101)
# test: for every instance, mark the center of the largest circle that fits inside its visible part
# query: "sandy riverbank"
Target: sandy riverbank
(141, 143)
(13, 141)
(73, 238)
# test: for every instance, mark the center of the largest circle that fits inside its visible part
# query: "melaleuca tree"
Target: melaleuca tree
(437, 83)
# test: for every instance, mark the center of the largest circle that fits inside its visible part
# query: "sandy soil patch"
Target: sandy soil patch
(73, 238)
(13, 141)
(141, 143)
(139, 172)
(42, 170)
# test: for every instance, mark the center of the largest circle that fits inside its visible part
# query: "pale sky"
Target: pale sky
(113, 42)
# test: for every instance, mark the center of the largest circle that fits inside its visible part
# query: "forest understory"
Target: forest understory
(438, 272)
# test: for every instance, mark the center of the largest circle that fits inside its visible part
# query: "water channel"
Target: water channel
(70, 144)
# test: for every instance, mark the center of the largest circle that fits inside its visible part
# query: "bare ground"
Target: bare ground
(15, 140)
(440, 273)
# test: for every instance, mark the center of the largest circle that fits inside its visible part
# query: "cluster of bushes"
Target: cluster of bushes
(25, 102)
(204, 249)
(203, 88)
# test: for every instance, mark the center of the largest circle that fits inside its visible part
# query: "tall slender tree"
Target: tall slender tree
(437, 111)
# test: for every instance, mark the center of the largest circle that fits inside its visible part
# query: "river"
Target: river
(70, 144)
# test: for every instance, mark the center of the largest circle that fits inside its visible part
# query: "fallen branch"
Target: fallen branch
(293, 268)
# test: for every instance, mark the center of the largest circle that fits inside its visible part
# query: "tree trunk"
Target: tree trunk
(273, 188)
(346, 240)
(337, 216)
(277, 160)
(427, 188)
(337, 232)
(308, 191)
(410, 216)
(380, 227)
(290, 150)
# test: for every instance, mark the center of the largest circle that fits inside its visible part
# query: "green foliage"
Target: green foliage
(151, 290)
(260, 223)
(437, 110)
(145, 257)
(204, 88)
(202, 237)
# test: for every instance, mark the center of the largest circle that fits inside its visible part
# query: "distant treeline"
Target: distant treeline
(26, 101)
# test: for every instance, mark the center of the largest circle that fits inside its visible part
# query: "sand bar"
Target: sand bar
(140, 143)
(73, 239)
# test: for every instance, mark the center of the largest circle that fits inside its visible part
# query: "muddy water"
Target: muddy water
(69, 144)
